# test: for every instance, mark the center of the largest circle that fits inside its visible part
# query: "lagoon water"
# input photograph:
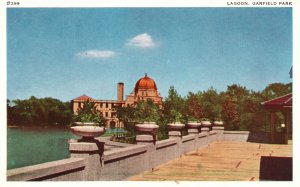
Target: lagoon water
(35, 145)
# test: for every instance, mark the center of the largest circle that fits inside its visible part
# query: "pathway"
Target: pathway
(225, 161)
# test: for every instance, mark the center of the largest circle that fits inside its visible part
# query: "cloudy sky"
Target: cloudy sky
(64, 53)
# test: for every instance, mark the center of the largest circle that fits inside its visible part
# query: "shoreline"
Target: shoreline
(36, 126)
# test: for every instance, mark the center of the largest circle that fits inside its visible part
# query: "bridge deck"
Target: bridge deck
(225, 161)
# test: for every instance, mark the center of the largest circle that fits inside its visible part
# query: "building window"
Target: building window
(106, 114)
(101, 105)
(106, 105)
(79, 104)
(113, 105)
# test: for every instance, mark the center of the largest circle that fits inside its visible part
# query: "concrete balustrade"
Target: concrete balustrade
(146, 133)
(121, 163)
(193, 127)
(92, 153)
(202, 139)
(145, 139)
(219, 131)
(218, 127)
(189, 143)
(98, 161)
(175, 130)
(66, 169)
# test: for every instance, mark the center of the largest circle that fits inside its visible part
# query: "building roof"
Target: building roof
(282, 102)
(84, 98)
(145, 83)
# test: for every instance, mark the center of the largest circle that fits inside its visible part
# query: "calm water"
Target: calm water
(35, 145)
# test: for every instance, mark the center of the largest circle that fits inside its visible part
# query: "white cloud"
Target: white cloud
(141, 41)
(96, 54)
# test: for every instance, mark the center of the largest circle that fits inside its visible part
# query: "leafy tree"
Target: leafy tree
(174, 106)
(33, 111)
(147, 111)
(230, 112)
(242, 109)
(89, 113)
(276, 90)
(211, 103)
(125, 114)
(13, 118)
(27, 111)
(193, 107)
(237, 90)
(252, 116)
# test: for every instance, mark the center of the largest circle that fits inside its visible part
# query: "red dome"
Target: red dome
(145, 83)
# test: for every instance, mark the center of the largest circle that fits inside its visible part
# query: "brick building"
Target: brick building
(145, 88)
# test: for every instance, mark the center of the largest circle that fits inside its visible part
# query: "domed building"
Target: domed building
(145, 88)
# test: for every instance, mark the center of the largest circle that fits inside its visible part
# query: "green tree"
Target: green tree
(26, 110)
(211, 103)
(174, 106)
(127, 116)
(242, 109)
(194, 109)
(276, 90)
(34, 111)
(89, 113)
(13, 117)
(230, 112)
(147, 111)
(252, 116)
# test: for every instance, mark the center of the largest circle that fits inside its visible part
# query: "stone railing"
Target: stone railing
(66, 169)
(89, 161)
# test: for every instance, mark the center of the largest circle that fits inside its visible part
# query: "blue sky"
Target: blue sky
(64, 53)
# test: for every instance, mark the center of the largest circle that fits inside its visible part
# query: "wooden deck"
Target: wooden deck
(220, 161)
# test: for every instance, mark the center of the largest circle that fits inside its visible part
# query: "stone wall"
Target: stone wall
(236, 136)
(258, 137)
(90, 162)
(66, 169)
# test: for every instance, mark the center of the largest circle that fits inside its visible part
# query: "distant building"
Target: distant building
(145, 88)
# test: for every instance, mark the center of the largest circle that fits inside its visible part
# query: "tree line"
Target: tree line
(35, 111)
(238, 107)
